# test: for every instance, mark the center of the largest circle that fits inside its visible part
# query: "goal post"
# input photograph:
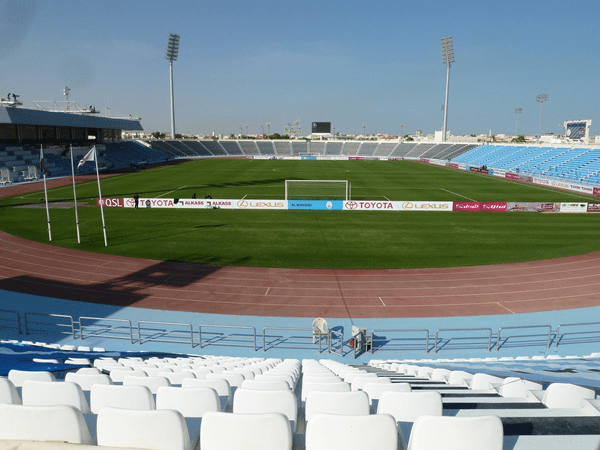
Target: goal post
(317, 190)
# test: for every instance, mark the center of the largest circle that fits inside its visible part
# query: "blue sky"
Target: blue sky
(350, 62)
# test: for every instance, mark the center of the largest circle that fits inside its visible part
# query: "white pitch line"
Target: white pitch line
(386, 198)
(454, 193)
(381, 300)
(268, 289)
(182, 187)
(244, 196)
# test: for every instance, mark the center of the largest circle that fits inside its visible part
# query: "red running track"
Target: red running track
(46, 270)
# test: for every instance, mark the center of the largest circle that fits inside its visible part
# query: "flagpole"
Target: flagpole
(75, 197)
(100, 193)
(43, 169)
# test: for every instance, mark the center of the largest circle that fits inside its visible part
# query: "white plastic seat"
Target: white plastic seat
(517, 387)
(376, 390)
(250, 401)
(235, 379)
(152, 383)
(61, 423)
(406, 407)
(266, 385)
(342, 432)
(457, 433)
(89, 371)
(218, 384)
(320, 329)
(18, 377)
(8, 392)
(266, 431)
(118, 375)
(199, 372)
(163, 429)
(359, 382)
(272, 375)
(440, 375)
(565, 395)
(87, 381)
(116, 396)
(309, 387)
(459, 378)
(355, 403)
(176, 378)
(50, 393)
(190, 402)
(485, 382)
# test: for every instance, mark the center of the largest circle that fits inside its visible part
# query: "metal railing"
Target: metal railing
(292, 341)
(463, 338)
(7, 322)
(524, 327)
(379, 342)
(230, 340)
(107, 331)
(307, 338)
(175, 336)
(582, 324)
(332, 347)
(52, 326)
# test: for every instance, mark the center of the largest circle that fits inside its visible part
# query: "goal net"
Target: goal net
(317, 190)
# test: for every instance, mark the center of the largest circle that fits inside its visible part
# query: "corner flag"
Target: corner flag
(90, 156)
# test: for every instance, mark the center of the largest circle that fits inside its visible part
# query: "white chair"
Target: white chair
(460, 378)
(18, 377)
(88, 371)
(61, 423)
(152, 383)
(250, 401)
(199, 372)
(267, 431)
(320, 329)
(8, 392)
(118, 375)
(517, 387)
(355, 403)
(272, 375)
(266, 385)
(457, 433)
(310, 386)
(87, 381)
(341, 432)
(565, 395)
(218, 384)
(440, 375)
(358, 383)
(176, 378)
(376, 390)
(51, 393)
(190, 402)
(485, 382)
(163, 429)
(116, 396)
(406, 407)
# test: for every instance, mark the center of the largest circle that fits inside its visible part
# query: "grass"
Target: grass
(313, 239)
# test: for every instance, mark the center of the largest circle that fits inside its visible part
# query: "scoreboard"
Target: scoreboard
(321, 127)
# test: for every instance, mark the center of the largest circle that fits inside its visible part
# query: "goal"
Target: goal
(317, 190)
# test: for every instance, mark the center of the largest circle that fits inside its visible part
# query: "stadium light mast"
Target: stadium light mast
(448, 59)
(172, 54)
(541, 98)
(517, 112)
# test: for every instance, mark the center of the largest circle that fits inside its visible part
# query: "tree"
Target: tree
(518, 139)
(158, 135)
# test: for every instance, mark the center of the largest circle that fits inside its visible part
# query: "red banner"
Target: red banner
(466, 206)
(512, 176)
(494, 206)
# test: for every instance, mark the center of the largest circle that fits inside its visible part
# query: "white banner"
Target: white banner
(396, 206)
(573, 207)
(424, 206)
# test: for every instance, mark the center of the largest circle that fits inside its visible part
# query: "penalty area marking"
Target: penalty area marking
(161, 195)
(458, 195)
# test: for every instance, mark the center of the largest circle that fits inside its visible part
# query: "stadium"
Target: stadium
(304, 293)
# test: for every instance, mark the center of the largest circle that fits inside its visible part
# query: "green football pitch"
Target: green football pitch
(311, 239)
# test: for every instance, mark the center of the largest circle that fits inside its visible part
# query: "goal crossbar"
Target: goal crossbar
(317, 190)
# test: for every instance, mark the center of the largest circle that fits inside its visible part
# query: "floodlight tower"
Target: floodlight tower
(517, 112)
(541, 98)
(447, 58)
(172, 53)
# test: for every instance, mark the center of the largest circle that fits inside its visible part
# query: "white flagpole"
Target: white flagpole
(75, 197)
(100, 193)
(43, 168)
